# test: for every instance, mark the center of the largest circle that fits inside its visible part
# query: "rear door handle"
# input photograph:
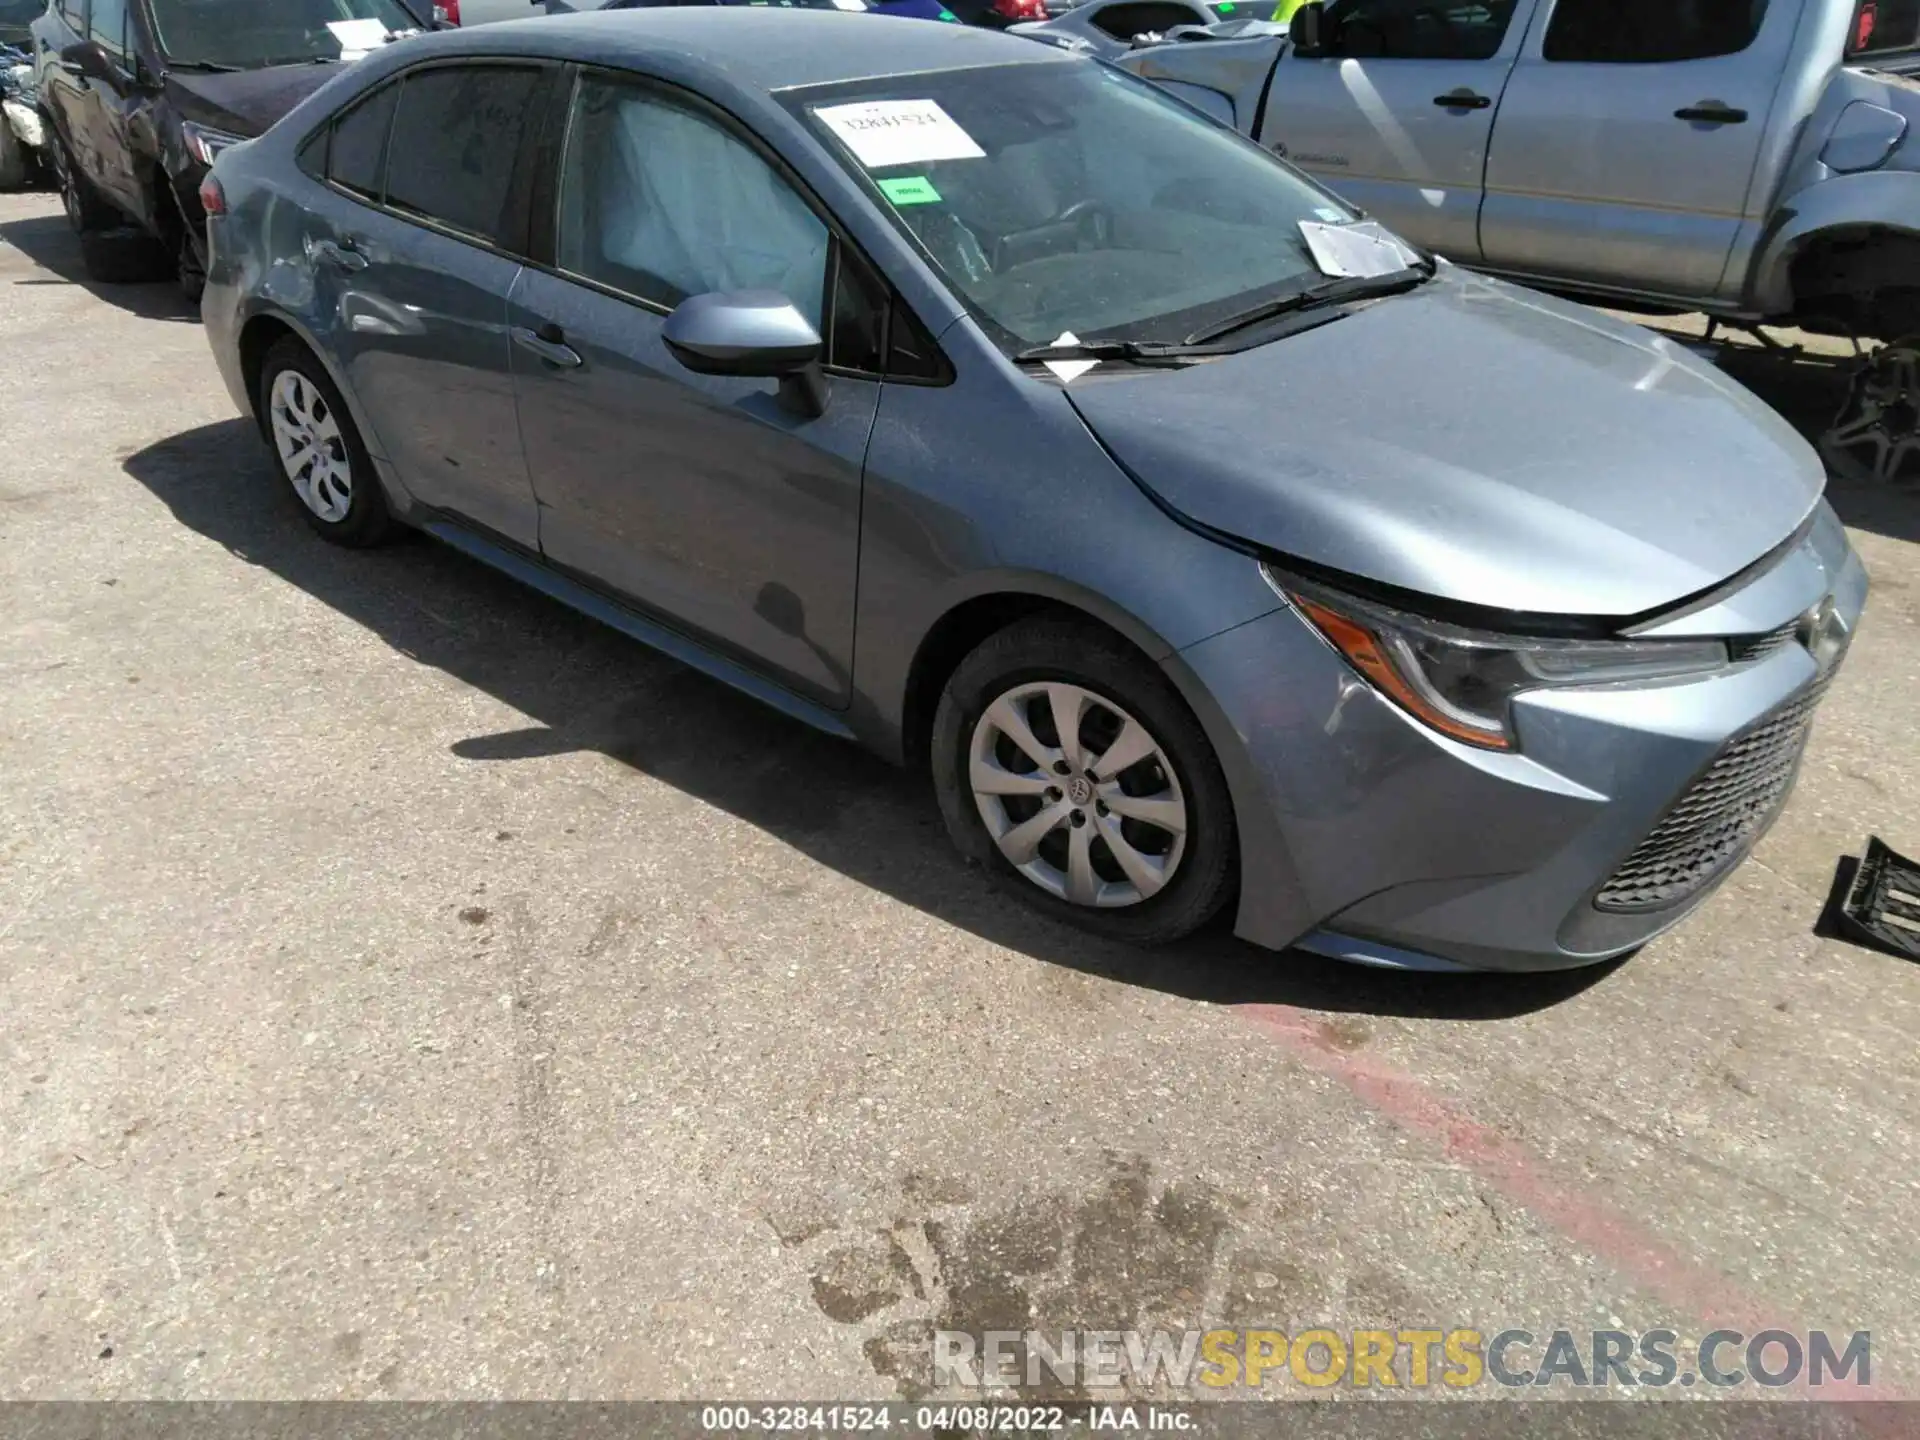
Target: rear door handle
(549, 342)
(329, 252)
(1463, 99)
(1712, 112)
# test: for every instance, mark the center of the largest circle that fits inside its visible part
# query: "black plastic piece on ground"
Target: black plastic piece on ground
(1881, 905)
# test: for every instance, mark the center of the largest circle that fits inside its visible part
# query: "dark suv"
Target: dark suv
(142, 94)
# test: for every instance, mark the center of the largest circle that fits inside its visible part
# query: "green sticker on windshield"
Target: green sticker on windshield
(910, 190)
(950, 17)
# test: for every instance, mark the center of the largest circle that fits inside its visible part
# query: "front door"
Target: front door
(698, 496)
(1396, 112)
(1625, 148)
(413, 263)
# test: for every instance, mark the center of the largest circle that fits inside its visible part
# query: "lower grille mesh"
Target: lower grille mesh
(1718, 816)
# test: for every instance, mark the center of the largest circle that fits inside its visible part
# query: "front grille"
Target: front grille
(1718, 816)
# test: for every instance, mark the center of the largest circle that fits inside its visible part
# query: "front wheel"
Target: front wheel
(1067, 764)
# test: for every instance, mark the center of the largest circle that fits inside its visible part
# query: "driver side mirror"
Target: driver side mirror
(1307, 30)
(754, 333)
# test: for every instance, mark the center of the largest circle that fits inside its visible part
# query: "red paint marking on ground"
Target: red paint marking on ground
(1618, 1239)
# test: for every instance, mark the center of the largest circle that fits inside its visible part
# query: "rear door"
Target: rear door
(1396, 113)
(414, 261)
(1625, 148)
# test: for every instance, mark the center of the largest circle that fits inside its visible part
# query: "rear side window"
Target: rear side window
(359, 147)
(1883, 26)
(1418, 29)
(1650, 32)
(459, 130)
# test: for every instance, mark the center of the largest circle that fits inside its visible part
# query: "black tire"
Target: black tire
(1083, 654)
(85, 209)
(190, 274)
(124, 256)
(113, 251)
(367, 520)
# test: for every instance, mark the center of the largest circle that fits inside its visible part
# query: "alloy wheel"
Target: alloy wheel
(1078, 795)
(307, 437)
(1876, 437)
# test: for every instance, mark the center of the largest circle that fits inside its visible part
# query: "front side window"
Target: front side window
(1650, 32)
(1418, 29)
(356, 156)
(250, 34)
(462, 127)
(1064, 196)
(107, 26)
(660, 202)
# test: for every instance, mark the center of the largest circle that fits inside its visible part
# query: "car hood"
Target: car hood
(1473, 441)
(245, 102)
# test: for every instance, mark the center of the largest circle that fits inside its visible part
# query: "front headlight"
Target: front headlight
(1462, 681)
(205, 144)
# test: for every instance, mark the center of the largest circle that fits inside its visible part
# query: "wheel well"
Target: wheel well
(1865, 280)
(955, 636)
(257, 337)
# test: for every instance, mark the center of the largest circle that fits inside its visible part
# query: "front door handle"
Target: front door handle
(549, 342)
(330, 252)
(1463, 99)
(1711, 112)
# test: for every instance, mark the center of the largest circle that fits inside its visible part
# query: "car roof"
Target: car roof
(754, 47)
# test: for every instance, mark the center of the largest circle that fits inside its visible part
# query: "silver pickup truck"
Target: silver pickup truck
(1758, 160)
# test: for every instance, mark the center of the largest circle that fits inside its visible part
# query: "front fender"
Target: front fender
(1880, 200)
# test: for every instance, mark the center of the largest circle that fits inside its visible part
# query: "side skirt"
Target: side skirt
(591, 603)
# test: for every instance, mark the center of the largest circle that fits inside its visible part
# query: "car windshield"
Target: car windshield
(1068, 197)
(249, 34)
(801, 4)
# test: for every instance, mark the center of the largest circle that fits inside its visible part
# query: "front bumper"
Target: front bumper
(1366, 835)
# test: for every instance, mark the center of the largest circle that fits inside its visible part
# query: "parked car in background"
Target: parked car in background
(908, 9)
(141, 95)
(950, 393)
(1758, 160)
(23, 134)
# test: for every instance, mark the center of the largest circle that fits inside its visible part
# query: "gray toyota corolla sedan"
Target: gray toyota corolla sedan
(969, 399)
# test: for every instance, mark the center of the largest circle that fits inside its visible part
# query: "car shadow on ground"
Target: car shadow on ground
(48, 241)
(589, 689)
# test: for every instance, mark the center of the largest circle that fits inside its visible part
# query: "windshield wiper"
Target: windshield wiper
(1140, 352)
(212, 67)
(1356, 287)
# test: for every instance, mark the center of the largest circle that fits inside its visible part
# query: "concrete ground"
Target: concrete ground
(408, 988)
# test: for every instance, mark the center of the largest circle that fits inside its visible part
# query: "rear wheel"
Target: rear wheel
(113, 251)
(319, 449)
(1068, 765)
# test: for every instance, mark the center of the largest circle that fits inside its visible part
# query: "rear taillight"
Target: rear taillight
(1863, 27)
(1020, 9)
(213, 199)
(448, 11)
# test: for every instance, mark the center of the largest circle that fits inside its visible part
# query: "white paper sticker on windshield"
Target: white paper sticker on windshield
(1355, 250)
(357, 37)
(899, 132)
